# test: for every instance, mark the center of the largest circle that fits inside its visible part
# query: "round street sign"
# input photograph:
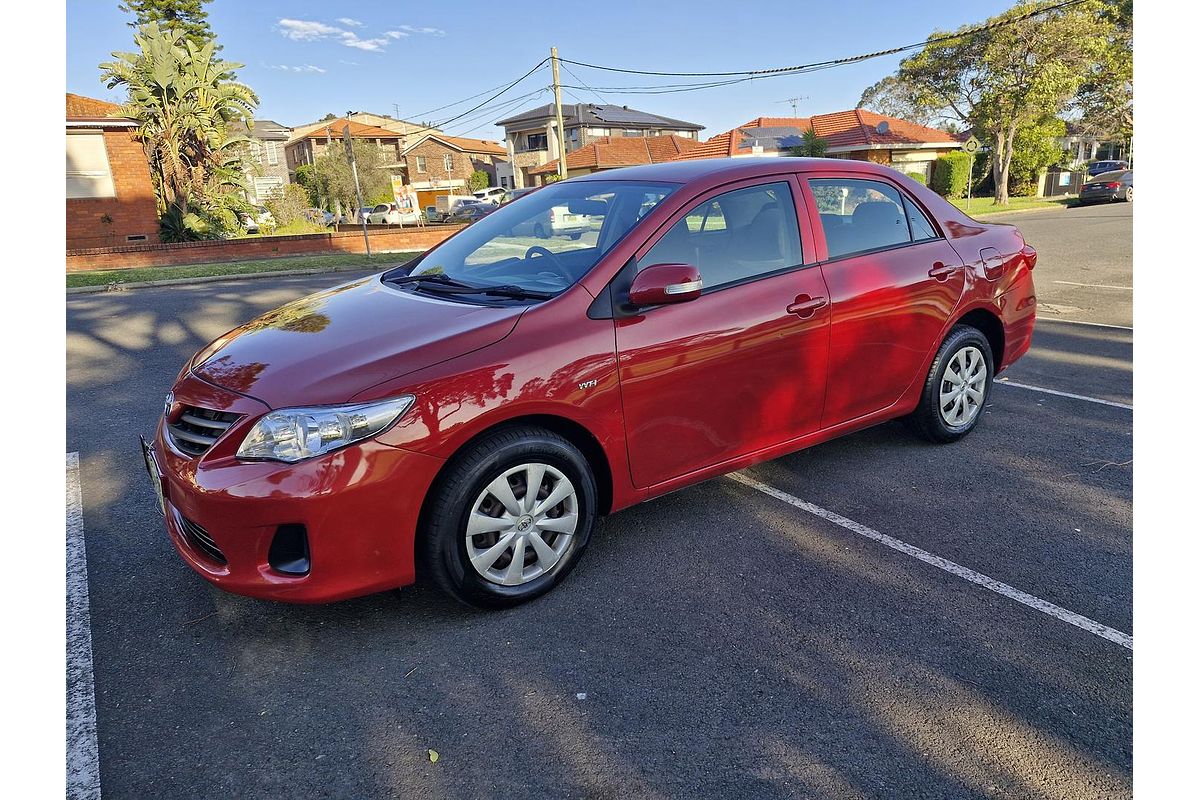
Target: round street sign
(971, 145)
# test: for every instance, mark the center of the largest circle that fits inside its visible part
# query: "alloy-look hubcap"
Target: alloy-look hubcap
(963, 385)
(521, 524)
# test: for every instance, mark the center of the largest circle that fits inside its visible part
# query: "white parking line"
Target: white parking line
(1046, 607)
(1096, 285)
(1056, 393)
(1082, 322)
(83, 753)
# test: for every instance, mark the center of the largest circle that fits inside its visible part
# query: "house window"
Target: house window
(448, 160)
(599, 131)
(267, 188)
(535, 141)
(420, 163)
(88, 172)
(272, 153)
(631, 132)
(256, 150)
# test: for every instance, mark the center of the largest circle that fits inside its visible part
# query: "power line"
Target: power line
(576, 77)
(771, 72)
(467, 99)
(470, 111)
(493, 112)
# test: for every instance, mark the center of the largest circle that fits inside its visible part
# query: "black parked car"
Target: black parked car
(1108, 187)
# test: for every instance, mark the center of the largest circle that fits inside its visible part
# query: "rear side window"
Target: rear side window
(859, 215)
(918, 223)
(734, 236)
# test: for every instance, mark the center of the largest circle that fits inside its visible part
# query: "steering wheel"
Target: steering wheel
(554, 262)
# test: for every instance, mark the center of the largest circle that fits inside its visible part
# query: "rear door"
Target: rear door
(743, 366)
(893, 283)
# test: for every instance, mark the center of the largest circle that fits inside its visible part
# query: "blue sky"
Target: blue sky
(305, 60)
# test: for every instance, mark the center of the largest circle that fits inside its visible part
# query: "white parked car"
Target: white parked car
(492, 194)
(390, 214)
(260, 219)
(555, 221)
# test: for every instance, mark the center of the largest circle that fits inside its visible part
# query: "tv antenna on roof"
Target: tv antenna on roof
(794, 101)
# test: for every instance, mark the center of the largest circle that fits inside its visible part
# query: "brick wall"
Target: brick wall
(106, 221)
(434, 152)
(383, 240)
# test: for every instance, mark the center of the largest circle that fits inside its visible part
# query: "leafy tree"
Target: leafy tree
(1035, 147)
(185, 17)
(288, 206)
(478, 180)
(306, 176)
(892, 97)
(813, 146)
(183, 100)
(998, 80)
(334, 180)
(1105, 98)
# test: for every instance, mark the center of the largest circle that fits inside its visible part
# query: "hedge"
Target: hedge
(950, 174)
(919, 177)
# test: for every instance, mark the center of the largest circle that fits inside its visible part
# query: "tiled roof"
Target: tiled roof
(602, 116)
(357, 130)
(844, 130)
(80, 107)
(608, 152)
(473, 145)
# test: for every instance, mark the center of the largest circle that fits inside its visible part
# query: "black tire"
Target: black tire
(442, 546)
(927, 420)
(539, 231)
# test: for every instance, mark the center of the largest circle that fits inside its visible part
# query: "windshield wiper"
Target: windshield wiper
(433, 277)
(444, 284)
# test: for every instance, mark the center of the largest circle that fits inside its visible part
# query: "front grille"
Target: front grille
(197, 429)
(199, 539)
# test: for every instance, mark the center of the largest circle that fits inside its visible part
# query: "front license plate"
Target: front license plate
(155, 476)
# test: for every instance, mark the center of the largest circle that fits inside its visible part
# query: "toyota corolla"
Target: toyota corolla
(466, 416)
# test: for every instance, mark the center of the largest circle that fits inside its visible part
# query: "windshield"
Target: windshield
(548, 239)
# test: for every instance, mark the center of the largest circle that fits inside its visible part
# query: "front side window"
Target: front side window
(859, 215)
(734, 236)
(88, 171)
(546, 240)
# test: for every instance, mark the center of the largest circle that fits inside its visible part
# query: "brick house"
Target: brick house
(532, 138)
(269, 170)
(609, 153)
(437, 164)
(110, 196)
(306, 147)
(857, 134)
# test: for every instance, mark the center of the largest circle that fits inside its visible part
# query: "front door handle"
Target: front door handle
(941, 272)
(805, 306)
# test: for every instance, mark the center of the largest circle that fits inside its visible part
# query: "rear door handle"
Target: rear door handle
(941, 272)
(805, 306)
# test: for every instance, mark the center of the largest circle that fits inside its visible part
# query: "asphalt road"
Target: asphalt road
(714, 642)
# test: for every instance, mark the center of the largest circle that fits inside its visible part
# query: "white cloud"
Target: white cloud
(429, 31)
(350, 40)
(301, 30)
(297, 68)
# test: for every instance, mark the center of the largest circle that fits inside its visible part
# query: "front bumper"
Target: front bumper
(358, 506)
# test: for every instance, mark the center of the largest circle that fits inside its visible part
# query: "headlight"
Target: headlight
(294, 434)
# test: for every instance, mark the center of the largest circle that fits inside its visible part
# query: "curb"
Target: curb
(281, 273)
(1049, 207)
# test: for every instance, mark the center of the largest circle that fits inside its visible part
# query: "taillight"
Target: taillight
(1030, 255)
(552, 215)
(1113, 185)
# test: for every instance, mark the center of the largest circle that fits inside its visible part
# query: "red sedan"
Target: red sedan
(466, 416)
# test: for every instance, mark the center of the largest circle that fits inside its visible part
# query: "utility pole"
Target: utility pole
(357, 186)
(562, 134)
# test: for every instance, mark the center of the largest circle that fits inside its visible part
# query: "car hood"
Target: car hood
(329, 346)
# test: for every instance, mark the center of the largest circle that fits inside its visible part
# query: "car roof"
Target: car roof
(730, 168)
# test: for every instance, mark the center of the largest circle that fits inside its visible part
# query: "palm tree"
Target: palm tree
(813, 146)
(184, 100)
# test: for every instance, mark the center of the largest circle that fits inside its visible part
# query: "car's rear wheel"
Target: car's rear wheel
(1129, 195)
(509, 519)
(957, 387)
(539, 231)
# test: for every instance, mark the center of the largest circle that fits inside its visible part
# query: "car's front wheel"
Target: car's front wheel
(509, 519)
(957, 387)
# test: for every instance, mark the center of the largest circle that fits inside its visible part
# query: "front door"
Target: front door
(743, 366)
(893, 283)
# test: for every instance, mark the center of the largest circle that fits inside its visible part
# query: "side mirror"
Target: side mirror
(665, 283)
